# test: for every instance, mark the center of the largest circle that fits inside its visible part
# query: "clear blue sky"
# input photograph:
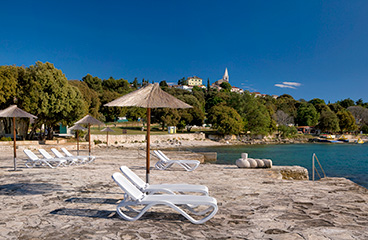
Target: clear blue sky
(307, 49)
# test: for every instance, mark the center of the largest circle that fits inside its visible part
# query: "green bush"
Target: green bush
(97, 141)
(286, 131)
(5, 139)
(364, 129)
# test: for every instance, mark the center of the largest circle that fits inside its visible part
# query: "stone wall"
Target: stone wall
(125, 138)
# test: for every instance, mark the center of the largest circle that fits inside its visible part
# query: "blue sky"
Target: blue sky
(307, 49)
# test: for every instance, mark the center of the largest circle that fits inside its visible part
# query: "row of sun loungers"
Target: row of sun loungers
(59, 160)
(140, 194)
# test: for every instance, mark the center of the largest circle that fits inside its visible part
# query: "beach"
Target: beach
(79, 202)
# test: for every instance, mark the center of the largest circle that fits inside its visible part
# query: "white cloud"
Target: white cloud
(284, 86)
(292, 84)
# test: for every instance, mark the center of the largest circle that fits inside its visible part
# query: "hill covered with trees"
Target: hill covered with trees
(44, 91)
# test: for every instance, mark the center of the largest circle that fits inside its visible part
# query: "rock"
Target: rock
(260, 163)
(242, 163)
(268, 163)
(252, 162)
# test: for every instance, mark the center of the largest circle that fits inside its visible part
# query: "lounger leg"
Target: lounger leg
(127, 204)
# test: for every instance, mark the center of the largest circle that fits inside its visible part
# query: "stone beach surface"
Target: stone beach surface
(79, 202)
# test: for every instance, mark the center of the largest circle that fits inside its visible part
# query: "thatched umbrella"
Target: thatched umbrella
(14, 112)
(90, 121)
(77, 128)
(150, 96)
(107, 130)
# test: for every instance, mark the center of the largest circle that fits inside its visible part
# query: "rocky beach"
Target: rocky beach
(79, 202)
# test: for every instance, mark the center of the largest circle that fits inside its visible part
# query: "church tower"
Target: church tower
(226, 76)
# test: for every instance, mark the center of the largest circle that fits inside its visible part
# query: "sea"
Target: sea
(338, 160)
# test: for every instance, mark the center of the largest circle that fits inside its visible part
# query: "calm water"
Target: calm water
(338, 160)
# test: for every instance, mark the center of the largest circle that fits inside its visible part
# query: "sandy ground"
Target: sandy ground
(79, 202)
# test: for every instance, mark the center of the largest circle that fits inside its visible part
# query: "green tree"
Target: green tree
(226, 87)
(307, 115)
(181, 81)
(287, 104)
(286, 131)
(45, 92)
(225, 119)
(335, 107)
(111, 113)
(163, 84)
(94, 83)
(208, 85)
(346, 121)
(328, 122)
(135, 83)
(90, 97)
(346, 103)
(8, 85)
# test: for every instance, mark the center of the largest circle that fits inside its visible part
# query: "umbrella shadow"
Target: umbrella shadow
(15, 189)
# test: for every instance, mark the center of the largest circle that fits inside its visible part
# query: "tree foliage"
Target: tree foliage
(225, 119)
(346, 121)
(307, 115)
(328, 122)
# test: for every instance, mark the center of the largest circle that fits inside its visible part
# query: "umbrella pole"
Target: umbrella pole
(148, 138)
(107, 139)
(89, 139)
(15, 145)
(77, 143)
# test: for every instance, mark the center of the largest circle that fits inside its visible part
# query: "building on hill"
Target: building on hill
(236, 89)
(193, 81)
(225, 78)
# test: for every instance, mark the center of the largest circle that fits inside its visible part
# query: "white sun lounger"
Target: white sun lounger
(165, 162)
(85, 159)
(47, 156)
(71, 160)
(33, 160)
(134, 197)
(159, 188)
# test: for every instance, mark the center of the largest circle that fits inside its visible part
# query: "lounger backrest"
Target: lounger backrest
(30, 155)
(163, 155)
(127, 186)
(57, 153)
(162, 158)
(45, 154)
(137, 181)
(66, 152)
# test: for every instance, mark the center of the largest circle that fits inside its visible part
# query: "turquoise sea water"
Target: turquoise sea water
(338, 160)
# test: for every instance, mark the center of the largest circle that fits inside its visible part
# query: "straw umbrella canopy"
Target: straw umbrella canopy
(14, 112)
(150, 96)
(89, 120)
(107, 130)
(76, 128)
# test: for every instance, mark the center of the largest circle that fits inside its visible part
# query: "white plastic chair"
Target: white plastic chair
(165, 162)
(71, 160)
(33, 160)
(159, 188)
(134, 197)
(84, 159)
(47, 156)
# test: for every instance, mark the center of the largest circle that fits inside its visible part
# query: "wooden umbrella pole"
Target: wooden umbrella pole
(148, 144)
(89, 138)
(107, 139)
(77, 143)
(15, 145)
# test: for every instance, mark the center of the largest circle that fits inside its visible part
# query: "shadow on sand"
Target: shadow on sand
(28, 188)
(93, 200)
